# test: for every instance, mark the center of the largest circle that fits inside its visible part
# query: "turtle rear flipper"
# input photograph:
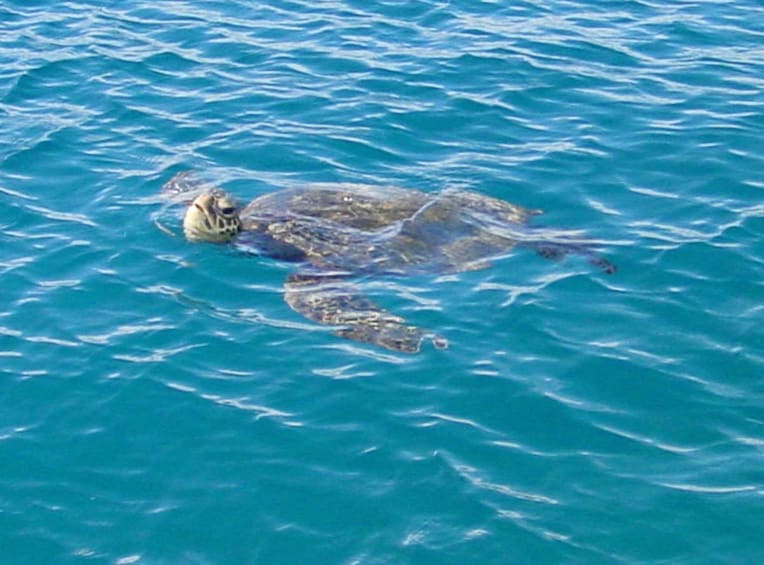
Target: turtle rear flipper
(556, 251)
(332, 300)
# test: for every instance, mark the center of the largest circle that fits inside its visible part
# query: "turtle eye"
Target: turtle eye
(228, 210)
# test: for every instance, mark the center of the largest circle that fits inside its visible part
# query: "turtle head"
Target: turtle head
(212, 216)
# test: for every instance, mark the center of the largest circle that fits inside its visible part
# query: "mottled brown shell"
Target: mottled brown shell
(366, 228)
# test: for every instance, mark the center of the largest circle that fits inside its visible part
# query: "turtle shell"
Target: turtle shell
(387, 229)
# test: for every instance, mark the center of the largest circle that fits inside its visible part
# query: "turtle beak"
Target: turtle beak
(205, 205)
(205, 209)
(197, 223)
(204, 221)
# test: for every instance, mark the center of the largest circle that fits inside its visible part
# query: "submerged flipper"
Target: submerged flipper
(331, 299)
(184, 186)
(557, 250)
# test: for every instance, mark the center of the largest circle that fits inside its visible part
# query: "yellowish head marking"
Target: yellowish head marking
(211, 217)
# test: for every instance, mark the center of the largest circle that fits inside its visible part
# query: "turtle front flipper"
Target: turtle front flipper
(333, 300)
(184, 185)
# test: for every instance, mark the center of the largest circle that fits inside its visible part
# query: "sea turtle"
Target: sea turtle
(340, 231)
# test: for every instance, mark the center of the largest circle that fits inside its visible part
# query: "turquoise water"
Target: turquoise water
(161, 404)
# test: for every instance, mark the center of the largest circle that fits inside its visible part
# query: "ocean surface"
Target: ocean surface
(162, 404)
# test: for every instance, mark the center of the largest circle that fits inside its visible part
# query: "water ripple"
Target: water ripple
(158, 387)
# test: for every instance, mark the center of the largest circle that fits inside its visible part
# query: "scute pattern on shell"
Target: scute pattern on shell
(388, 229)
